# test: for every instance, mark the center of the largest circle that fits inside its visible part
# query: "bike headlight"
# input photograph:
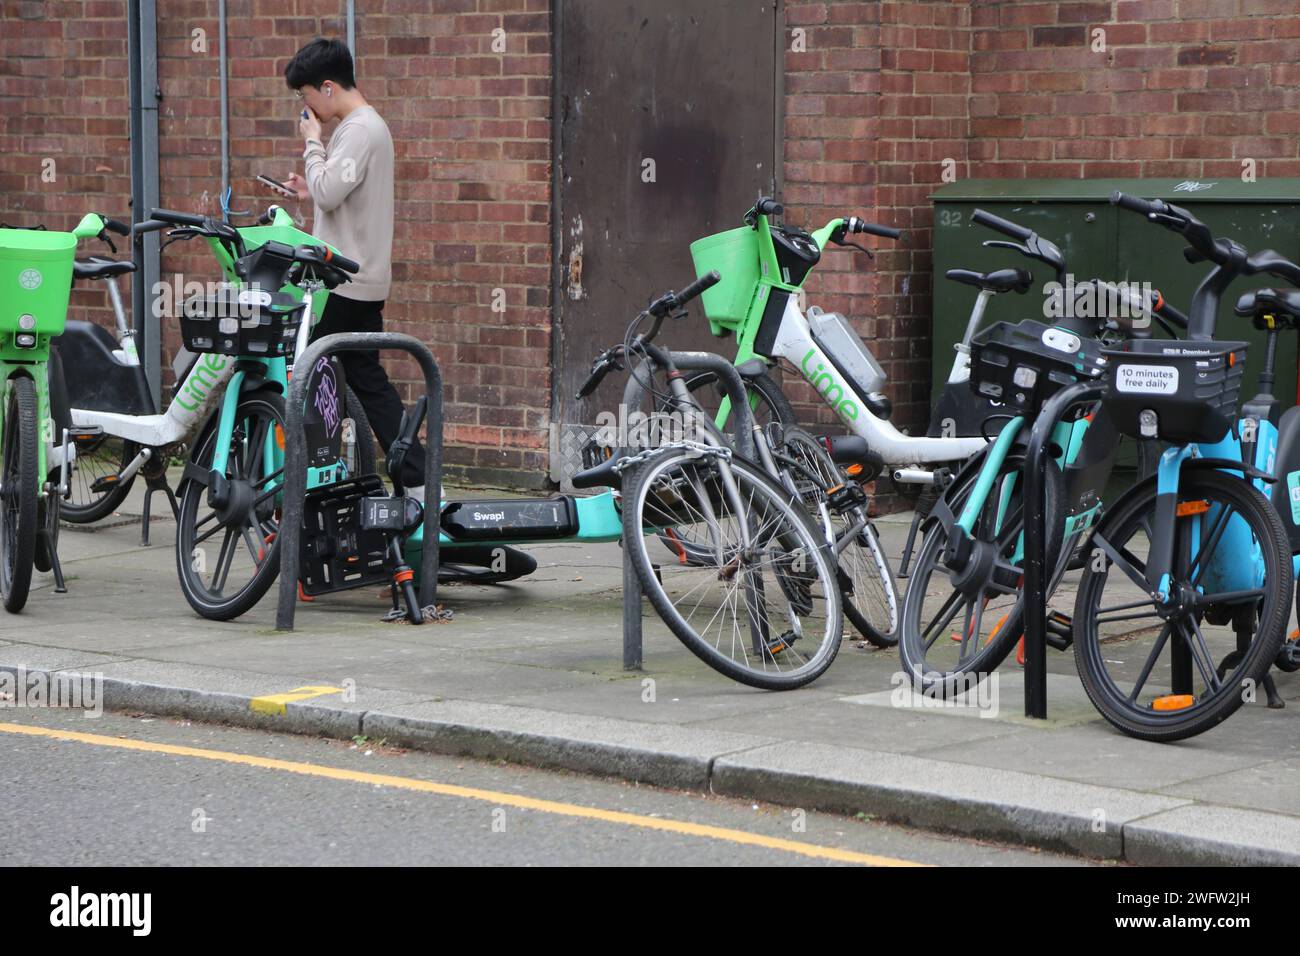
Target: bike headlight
(26, 321)
(25, 340)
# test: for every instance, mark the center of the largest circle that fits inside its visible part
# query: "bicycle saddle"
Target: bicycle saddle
(1282, 304)
(97, 268)
(599, 476)
(1003, 280)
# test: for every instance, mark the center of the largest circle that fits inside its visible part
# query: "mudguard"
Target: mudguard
(1286, 496)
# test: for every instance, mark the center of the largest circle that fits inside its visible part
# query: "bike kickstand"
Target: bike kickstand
(56, 566)
(1275, 701)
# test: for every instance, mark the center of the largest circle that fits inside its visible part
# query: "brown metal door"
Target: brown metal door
(678, 92)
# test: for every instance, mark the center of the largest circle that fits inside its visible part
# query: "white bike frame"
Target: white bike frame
(198, 394)
(795, 343)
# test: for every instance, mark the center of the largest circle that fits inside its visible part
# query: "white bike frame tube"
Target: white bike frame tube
(795, 343)
(198, 394)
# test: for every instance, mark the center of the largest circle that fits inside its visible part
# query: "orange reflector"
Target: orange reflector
(1187, 508)
(997, 627)
(854, 470)
(1173, 702)
(1232, 359)
(681, 552)
(279, 437)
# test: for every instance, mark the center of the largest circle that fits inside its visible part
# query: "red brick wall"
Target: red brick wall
(63, 98)
(883, 92)
(472, 134)
(1184, 88)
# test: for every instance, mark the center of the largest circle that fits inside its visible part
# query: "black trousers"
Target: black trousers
(368, 379)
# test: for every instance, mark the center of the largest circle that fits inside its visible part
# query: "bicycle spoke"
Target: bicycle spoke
(1150, 661)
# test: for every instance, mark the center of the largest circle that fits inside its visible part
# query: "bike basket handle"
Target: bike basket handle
(998, 224)
(871, 229)
(706, 281)
(177, 218)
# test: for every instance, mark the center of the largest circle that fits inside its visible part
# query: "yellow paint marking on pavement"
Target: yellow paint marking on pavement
(470, 793)
(274, 703)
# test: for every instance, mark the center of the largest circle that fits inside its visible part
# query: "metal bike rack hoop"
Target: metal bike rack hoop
(295, 460)
(1036, 572)
(633, 394)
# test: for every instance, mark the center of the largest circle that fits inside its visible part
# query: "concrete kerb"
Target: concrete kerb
(973, 801)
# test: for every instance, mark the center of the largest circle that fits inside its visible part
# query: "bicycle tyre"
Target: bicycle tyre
(799, 535)
(950, 682)
(21, 489)
(1148, 723)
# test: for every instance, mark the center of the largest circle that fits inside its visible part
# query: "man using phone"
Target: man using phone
(350, 183)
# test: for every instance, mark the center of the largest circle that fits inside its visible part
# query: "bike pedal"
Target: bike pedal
(1060, 630)
(776, 645)
(85, 433)
(104, 483)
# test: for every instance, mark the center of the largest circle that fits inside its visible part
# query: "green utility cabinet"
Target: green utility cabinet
(1104, 242)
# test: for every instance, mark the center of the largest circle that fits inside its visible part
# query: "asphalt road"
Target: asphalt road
(129, 789)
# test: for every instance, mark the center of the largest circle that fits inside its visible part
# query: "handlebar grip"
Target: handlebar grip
(1134, 203)
(769, 207)
(331, 258)
(998, 224)
(150, 225)
(1192, 256)
(179, 218)
(116, 225)
(872, 229)
(706, 281)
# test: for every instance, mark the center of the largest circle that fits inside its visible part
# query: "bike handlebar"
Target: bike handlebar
(325, 256)
(998, 224)
(675, 300)
(115, 225)
(856, 225)
(177, 218)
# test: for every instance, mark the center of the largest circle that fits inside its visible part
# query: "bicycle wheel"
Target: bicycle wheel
(867, 583)
(95, 492)
(19, 488)
(765, 608)
(985, 590)
(767, 401)
(228, 549)
(1168, 671)
(367, 458)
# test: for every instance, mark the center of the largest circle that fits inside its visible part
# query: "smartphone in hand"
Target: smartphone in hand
(276, 185)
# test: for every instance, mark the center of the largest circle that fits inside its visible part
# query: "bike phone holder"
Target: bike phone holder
(296, 457)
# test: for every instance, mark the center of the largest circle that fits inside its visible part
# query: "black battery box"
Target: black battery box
(515, 519)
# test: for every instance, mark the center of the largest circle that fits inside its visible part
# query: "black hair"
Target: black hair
(318, 61)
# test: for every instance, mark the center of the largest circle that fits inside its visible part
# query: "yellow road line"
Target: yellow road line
(274, 703)
(470, 793)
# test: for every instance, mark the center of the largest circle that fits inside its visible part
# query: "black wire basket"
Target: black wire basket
(1021, 365)
(236, 321)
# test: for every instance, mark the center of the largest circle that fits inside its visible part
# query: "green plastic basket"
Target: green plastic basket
(35, 282)
(734, 254)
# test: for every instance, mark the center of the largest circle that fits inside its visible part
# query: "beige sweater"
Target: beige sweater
(352, 186)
